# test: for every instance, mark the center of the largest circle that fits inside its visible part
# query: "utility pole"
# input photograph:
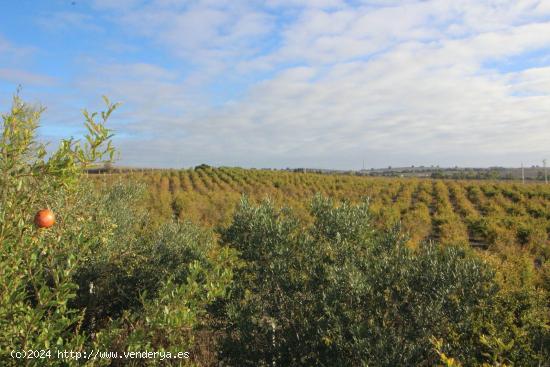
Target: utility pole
(522, 173)
(545, 171)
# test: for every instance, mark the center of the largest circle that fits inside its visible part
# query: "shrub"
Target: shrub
(337, 293)
(36, 265)
(102, 277)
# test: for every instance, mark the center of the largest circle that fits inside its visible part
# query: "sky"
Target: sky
(289, 83)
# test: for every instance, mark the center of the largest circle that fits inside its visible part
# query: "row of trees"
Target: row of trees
(487, 214)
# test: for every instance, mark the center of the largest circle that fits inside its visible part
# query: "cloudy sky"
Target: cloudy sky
(290, 83)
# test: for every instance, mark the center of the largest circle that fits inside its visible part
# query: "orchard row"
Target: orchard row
(494, 215)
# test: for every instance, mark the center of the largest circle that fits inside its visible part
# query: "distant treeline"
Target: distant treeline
(493, 173)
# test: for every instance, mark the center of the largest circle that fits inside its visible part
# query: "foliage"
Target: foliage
(337, 293)
(339, 280)
(489, 215)
(37, 265)
(103, 277)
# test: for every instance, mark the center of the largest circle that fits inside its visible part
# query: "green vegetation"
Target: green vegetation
(336, 293)
(500, 216)
(330, 270)
(102, 278)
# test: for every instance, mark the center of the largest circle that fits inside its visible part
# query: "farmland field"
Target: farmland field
(494, 215)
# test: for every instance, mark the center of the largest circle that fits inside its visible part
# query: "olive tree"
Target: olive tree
(336, 292)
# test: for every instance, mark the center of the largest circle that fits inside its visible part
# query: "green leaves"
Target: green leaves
(37, 266)
(73, 156)
(97, 136)
(339, 293)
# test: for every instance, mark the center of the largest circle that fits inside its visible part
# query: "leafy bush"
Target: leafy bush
(135, 259)
(337, 293)
(102, 277)
(37, 265)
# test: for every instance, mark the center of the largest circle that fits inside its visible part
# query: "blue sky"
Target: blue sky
(288, 83)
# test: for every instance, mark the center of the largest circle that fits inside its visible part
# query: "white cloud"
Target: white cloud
(423, 95)
(67, 21)
(23, 77)
(534, 81)
(13, 59)
(393, 82)
(200, 30)
(14, 53)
